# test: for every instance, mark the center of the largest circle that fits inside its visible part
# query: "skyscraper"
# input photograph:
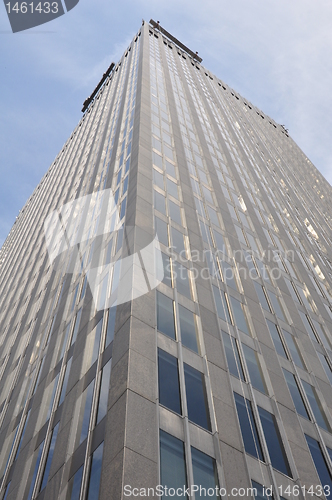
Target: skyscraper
(165, 299)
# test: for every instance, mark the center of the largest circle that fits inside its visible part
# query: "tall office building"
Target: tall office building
(198, 359)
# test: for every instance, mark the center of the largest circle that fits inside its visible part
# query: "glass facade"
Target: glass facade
(208, 374)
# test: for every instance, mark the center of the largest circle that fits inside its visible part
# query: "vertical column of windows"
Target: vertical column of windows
(177, 318)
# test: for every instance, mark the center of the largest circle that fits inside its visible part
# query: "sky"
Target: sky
(276, 54)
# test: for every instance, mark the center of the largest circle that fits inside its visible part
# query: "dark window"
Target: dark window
(274, 443)
(329, 451)
(295, 393)
(170, 168)
(205, 474)
(87, 398)
(178, 241)
(167, 279)
(161, 231)
(65, 382)
(174, 212)
(261, 297)
(248, 427)
(172, 463)
(33, 480)
(159, 202)
(254, 369)
(168, 378)
(221, 304)
(95, 473)
(188, 328)
(110, 325)
(76, 327)
(232, 355)
(251, 266)
(308, 326)
(293, 349)
(260, 492)
(6, 491)
(316, 406)
(182, 279)
(321, 334)
(206, 235)
(49, 457)
(158, 179)
(104, 388)
(228, 274)
(220, 243)
(276, 306)
(165, 315)
(326, 366)
(319, 461)
(276, 339)
(75, 484)
(198, 411)
(64, 342)
(239, 316)
(172, 189)
(96, 341)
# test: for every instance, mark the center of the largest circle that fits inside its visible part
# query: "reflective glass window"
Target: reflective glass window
(166, 269)
(274, 443)
(296, 394)
(75, 484)
(198, 411)
(293, 349)
(205, 474)
(254, 369)
(260, 492)
(232, 355)
(239, 317)
(308, 326)
(180, 274)
(158, 179)
(87, 399)
(316, 406)
(65, 381)
(276, 306)
(161, 231)
(159, 202)
(261, 296)
(172, 189)
(178, 241)
(248, 427)
(49, 457)
(110, 325)
(174, 212)
(221, 304)
(276, 338)
(228, 274)
(33, 480)
(188, 329)
(326, 366)
(165, 315)
(168, 378)
(319, 461)
(95, 473)
(172, 463)
(104, 389)
(220, 242)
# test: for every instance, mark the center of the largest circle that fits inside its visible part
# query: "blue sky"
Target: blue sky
(276, 54)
